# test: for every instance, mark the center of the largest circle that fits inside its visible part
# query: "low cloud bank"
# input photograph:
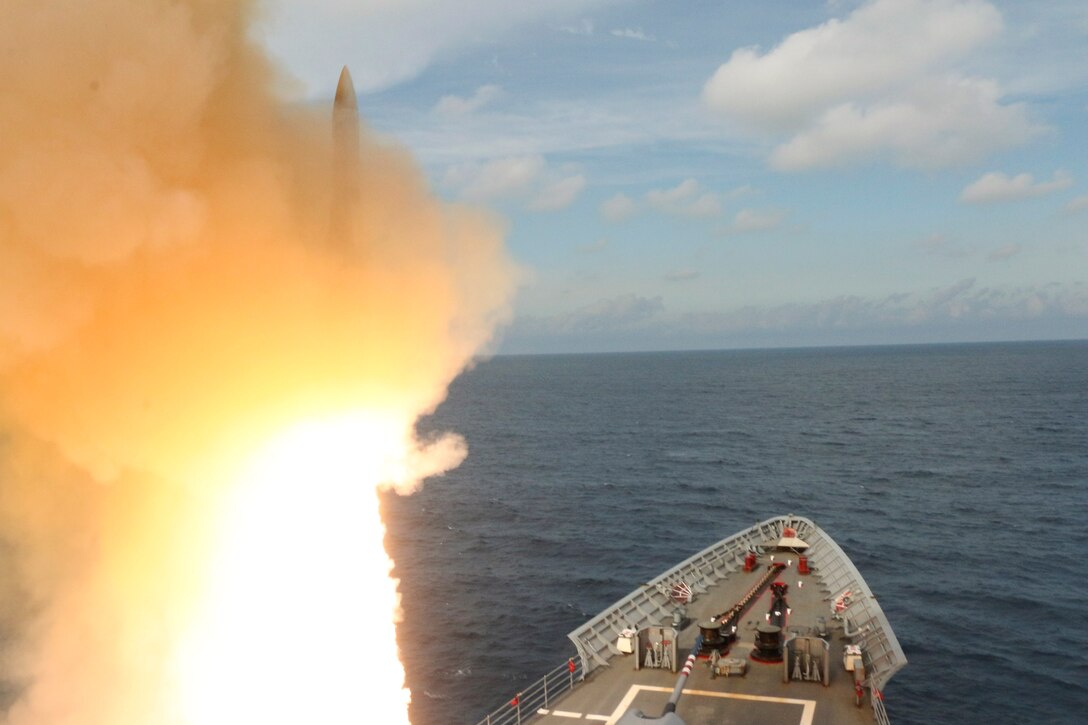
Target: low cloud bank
(962, 312)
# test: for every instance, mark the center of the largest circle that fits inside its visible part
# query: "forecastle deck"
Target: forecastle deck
(602, 682)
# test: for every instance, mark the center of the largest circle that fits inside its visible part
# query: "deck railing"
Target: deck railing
(524, 705)
(880, 715)
(863, 619)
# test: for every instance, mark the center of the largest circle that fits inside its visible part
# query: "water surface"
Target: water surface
(955, 476)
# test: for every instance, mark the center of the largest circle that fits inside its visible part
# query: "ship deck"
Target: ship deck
(759, 696)
(609, 683)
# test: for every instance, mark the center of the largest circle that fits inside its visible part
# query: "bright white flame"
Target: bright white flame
(298, 623)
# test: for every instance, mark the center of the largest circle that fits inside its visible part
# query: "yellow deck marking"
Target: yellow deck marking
(807, 713)
(573, 715)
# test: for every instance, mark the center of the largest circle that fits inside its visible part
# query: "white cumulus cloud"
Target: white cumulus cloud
(458, 106)
(527, 179)
(681, 275)
(685, 199)
(496, 179)
(941, 123)
(1077, 203)
(632, 33)
(883, 82)
(595, 246)
(1004, 252)
(618, 208)
(670, 198)
(706, 204)
(756, 220)
(997, 186)
(558, 194)
(582, 27)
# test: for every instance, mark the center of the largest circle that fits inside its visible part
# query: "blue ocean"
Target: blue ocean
(955, 477)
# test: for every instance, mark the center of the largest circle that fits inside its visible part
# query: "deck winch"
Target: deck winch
(717, 636)
(768, 643)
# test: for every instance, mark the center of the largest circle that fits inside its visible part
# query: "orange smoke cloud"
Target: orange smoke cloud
(169, 299)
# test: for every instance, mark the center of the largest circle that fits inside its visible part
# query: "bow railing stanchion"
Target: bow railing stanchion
(536, 697)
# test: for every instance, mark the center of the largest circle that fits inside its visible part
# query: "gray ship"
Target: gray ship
(772, 625)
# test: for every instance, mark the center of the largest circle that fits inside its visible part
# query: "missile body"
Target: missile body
(346, 172)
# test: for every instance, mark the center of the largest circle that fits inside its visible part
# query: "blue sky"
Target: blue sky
(739, 174)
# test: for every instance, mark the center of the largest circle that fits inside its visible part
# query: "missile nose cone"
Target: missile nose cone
(345, 92)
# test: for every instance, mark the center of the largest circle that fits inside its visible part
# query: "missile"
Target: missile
(345, 163)
(345, 116)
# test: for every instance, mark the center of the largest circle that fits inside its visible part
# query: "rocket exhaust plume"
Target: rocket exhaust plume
(219, 321)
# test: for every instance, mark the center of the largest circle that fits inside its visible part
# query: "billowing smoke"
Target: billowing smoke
(170, 298)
